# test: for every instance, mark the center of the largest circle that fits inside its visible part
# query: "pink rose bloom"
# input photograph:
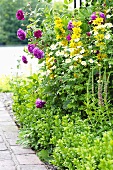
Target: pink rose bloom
(20, 15)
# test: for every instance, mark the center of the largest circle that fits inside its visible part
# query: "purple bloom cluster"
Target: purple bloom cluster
(21, 34)
(20, 15)
(24, 59)
(38, 34)
(38, 53)
(31, 47)
(40, 103)
(70, 25)
(94, 16)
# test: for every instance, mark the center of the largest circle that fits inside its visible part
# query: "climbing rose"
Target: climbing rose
(70, 25)
(21, 34)
(39, 103)
(20, 15)
(38, 34)
(31, 47)
(38, 53)
(24, 59)
(68, 37)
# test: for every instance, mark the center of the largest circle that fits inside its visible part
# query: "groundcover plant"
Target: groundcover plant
(65, 110)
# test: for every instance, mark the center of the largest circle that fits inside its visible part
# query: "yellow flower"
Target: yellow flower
(75, 36)
(75, 75)
(77, 24)
(99, 37)
(98, 21)
(76, 30)
(64, 42)
(101, 56)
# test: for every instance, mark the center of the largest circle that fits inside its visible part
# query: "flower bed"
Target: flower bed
(65, 110)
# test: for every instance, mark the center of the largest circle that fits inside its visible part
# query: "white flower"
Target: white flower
(109, 25)
(82, 51)
(95, 33)
(70, 67)
(75, 58)
(91, 61)
(58, 53)
(83, 63)
(52, 68)
(80, 56)
(108, 16)
(51, 53)
(53, 47)
(76, 40)
(68, 61)
(107, 36)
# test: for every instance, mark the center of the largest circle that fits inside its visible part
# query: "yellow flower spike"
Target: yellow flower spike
(51, 76)
(77, 24)
(99, 37)
(98, 21)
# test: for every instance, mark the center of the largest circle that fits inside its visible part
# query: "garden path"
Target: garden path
(13, 156)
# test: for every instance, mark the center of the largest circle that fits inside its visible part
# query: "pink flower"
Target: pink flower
(24, 59)
(102, 15)
(40, 103)
(68, 37)
(38, 34)
(88, 34)
(21, 34)
(20, 15)
(38, 53)
(31, 47)
(93, 16)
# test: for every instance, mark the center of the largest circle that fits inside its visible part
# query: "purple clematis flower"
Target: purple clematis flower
(40, 103)
(21, 34)
(20, 15)
(24, 59)
(31, 47)
(38, 53)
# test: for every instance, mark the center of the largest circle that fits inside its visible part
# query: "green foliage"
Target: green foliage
(5, 84)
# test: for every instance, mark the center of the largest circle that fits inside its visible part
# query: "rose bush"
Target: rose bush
(71, 95)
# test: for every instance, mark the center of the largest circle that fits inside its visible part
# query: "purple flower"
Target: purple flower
(88, 34)
(102, 15)
(40, 103)
(20, 15)
(93, 16)
(70, 25)
(31, 47)
(38, 53)
(38, 34)
(21, 34)
(24, 59)
(68, 37)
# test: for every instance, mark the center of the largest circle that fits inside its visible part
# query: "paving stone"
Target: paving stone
(28, 159)
(7, 167)
(5, 155)
(11, 135)
(32, 167)
(1, 140)
(20, 150)
(6, 123)
(3, 147)
(13, 142)
(5, 118)
(6, 163)
(10, 128)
